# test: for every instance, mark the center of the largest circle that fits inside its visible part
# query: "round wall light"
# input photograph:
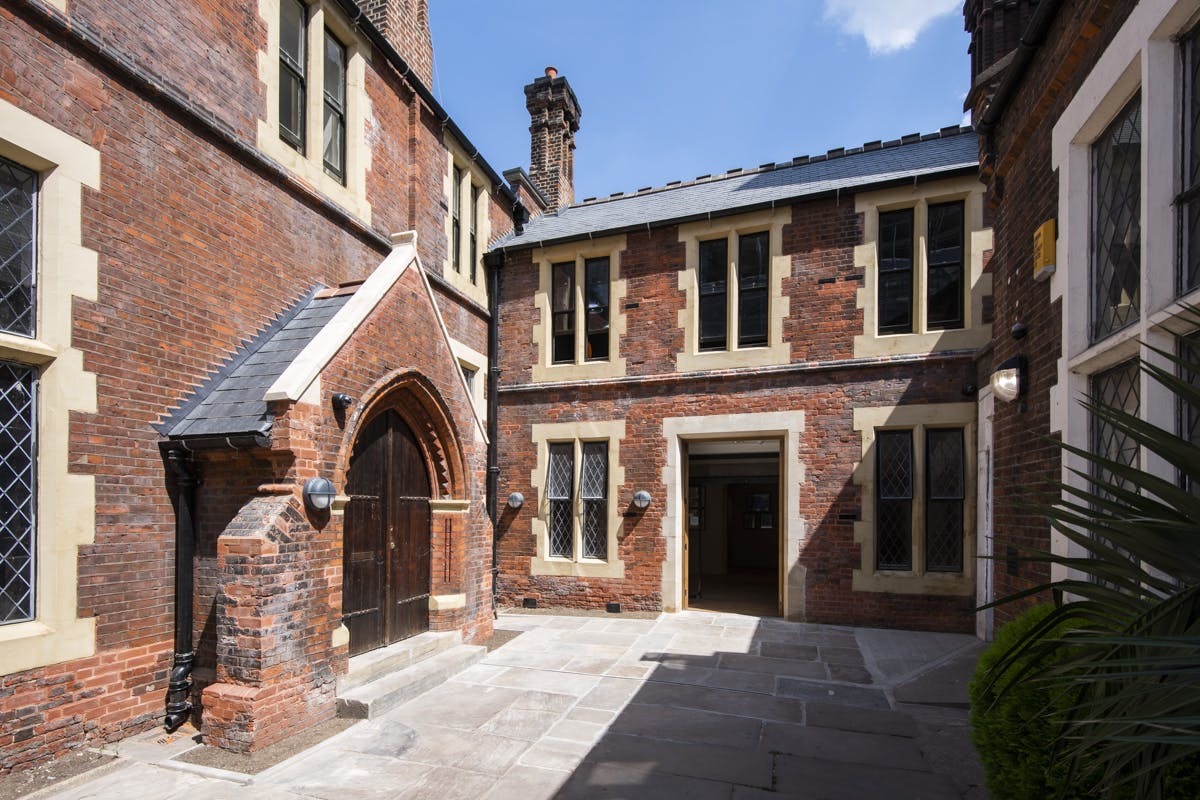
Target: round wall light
(641, 499)
(319, 493)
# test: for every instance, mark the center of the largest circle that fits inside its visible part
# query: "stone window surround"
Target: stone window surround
(543, 434)
(974, 333)
(1140, 57)
(917, 418)
(322, 15)
(474, 360)
(65, 270)
(544, 370)
(474, 184)
(777, 351)
(785, 426)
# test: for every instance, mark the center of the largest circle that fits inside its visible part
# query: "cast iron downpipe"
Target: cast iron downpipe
(179, 690)
(493, 262)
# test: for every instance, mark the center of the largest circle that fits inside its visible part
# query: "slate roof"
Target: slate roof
(949, 150)
(230, 404)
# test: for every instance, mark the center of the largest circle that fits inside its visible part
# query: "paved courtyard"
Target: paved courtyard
(692, 705)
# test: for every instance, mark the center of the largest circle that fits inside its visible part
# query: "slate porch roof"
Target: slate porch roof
(948, 151)
(231, 404)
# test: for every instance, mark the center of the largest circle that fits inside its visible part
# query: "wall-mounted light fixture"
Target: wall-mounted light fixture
(641, 499)
(516, 500)
(319, 493)
(1008, 379)
(341, 401)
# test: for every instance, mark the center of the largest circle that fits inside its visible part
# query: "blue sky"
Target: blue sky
(673, 89)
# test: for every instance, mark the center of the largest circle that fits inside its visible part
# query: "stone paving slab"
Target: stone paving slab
(695, 705)
(814, 779)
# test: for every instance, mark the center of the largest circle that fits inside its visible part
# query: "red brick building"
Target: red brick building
(748, 352)
(1068, 98)
(242, 250)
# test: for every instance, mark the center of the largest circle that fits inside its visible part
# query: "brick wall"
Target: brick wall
(1023, 193)
(823, 319)
(199, 247)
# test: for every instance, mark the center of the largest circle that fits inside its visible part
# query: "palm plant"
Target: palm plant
(1125, 627)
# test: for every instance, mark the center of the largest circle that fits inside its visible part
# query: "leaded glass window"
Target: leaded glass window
(292, 72)
(1189, 415)
(713, 277)
(18, 244)
(895, 271)
(1116, 387)
(945, 490)
(334, 122)
(894, 487)
(945, 292)
(559, 491)
(753, 297)
(593, 489)
(1187, 204)
(562, 311)
(18, 491)
(595, 276)
(1116, 222)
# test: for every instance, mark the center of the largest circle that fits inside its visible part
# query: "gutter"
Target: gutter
(1031, 39)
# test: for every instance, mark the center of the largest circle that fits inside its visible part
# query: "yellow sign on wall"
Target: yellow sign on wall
(1044, 244)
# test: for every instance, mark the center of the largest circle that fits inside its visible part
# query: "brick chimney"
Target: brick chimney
(405, 24)
(554, 118)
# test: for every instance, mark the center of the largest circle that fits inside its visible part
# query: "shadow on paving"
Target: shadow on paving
(796, 714)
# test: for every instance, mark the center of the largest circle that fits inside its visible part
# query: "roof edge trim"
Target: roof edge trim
(301, 373)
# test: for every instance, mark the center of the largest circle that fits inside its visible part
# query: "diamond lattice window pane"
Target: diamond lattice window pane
(17, 492)
(1116, 222)
(593, 482)
(893, 525)
(944, 536)
(1189, 210)
(595, 529)
(944, 462)
(893, 535)
(562, 468)
(1116, 387)
(18, 203)
(895, 464)
(561, 539)
(1189, 415)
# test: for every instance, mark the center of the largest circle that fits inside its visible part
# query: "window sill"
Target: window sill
(562, 567)
(588, 370)
(950, 584)
(28, 645)
(773, 355)
(29, 351)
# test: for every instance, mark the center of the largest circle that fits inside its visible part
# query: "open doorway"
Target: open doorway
(733, 526)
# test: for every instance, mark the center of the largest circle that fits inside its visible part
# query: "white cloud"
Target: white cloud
(887, 25)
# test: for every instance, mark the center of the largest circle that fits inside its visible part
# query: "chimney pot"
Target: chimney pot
(551, 73)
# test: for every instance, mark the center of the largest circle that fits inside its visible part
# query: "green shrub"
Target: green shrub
(1010, 725)
(1013, 729)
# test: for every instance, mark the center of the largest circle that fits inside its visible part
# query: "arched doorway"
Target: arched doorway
(385, 590)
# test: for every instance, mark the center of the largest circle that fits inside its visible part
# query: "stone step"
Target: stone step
(389, 691)
(376, 664)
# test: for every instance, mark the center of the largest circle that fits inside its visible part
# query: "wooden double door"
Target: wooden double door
(385, 590)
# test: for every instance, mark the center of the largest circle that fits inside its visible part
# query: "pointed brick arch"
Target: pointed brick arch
(418, 403)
